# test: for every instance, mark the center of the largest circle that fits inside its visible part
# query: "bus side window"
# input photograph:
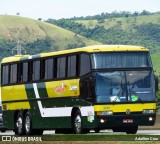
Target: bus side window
(25, 72)
(85, 66)
(48, 72)
(36, 71)
(61, 67)
(13, 73)
(5, 74)
(72, 66)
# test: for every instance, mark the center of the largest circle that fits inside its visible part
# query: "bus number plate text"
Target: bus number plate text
(127, 120)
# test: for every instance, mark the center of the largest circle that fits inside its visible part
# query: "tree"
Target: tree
(144, 12)
(135, 13)
(40, 19)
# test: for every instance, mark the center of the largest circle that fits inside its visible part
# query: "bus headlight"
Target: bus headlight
(148, 111)
(105, 113)
(150, 119)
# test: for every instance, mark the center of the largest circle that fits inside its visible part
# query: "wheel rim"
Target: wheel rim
(77, 123)
(19, 124)
(27, 124)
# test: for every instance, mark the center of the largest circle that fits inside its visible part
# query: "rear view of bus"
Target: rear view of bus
(124, 89)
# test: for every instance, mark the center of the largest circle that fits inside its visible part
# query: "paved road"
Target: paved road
(145, 132)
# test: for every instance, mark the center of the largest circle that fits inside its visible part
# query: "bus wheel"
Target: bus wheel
(63, 131)
(28, 124)
(132, 130)
(85, 131)
(77, 123)
(97, 130)
(19, 128)
(38, 132)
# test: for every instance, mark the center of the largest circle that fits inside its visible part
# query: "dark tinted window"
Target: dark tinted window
(25, 72)
(61, 67)
(49, 69)
(85, 64)
(121, 60)
(5, 74)
(72, 66)
(13, 73)
(36, 70)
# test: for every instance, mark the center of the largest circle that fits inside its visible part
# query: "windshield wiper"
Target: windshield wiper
(132, 94)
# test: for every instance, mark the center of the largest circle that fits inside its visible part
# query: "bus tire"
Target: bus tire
(77, 122)
(132, 130)
(19, 126)
(63, 131)
(58, 131)
(85, 131)
(97, 130)
(28, 124)
(38, 132)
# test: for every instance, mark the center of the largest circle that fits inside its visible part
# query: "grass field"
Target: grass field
(156, 63)
(86, 142)
(90, 138)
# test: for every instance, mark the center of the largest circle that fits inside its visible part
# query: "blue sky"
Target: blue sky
(57, 9)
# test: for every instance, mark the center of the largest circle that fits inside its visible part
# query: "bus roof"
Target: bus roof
(89, 49)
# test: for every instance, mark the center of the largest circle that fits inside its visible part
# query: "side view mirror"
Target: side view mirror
(156, 83)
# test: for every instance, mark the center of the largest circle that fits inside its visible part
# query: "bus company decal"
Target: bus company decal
(61, 88)
(60, 111)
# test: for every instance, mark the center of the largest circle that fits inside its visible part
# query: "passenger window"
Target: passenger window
(25, 72)
(85, 66)
(13, 73)
(36, 71)
(72, 66)
(61, 67)
(49, 69)
(5, 74)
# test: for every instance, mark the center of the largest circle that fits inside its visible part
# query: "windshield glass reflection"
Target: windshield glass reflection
(124, 86)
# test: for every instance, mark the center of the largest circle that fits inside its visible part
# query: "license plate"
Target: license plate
(127, 120)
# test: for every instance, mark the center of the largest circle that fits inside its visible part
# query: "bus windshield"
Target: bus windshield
(124, 86)
(120, 60)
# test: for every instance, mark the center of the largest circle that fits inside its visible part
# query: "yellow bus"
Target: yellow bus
(78, 90)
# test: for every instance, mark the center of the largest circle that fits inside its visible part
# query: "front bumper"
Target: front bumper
(127, 120)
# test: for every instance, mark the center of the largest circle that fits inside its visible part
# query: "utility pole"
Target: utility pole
(18, 49)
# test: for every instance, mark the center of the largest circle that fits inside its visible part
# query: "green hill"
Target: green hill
(123, 22)
(36, 36)
(141, 30)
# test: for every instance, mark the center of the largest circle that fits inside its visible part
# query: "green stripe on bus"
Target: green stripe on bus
(31, 95)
